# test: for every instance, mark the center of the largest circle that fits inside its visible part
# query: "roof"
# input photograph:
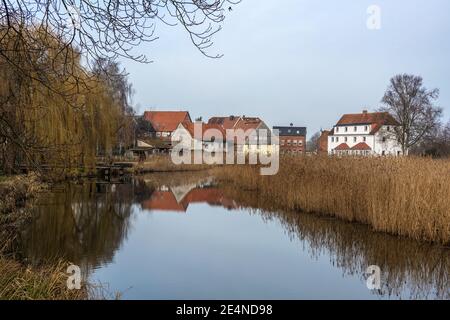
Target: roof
(342, 146)
(166, 121)
(236, 122)
(290, 131)
(248, 123)
(206, 134)
(361, 146)
(225, 122)
(367, 118)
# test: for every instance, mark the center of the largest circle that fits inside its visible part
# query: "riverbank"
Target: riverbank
(401, 196)
(163, 163)
(17, 279)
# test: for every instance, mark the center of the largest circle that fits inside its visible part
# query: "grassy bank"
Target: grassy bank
(44, 283)
(401, 196)
(163, 163)
(18, 280)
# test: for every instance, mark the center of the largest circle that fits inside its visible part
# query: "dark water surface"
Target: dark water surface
(178, 236)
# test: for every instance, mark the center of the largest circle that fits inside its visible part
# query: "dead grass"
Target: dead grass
(401, 196)
(18, 282)
(163, 163)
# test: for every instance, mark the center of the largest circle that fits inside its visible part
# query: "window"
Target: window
(294, 142)
(364, 139)
(332, 139)
(337, 129)
(354, 139)
(282, 142)
(337, 139)
(345, 139)
(383, 153)
(300, 142)
(384, 139)
(289, 142)
(355, 129)
(346, 129)
(298, 131)
(388, 128)
(366, 128)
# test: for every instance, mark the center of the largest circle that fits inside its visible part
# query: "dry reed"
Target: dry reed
(401, 196)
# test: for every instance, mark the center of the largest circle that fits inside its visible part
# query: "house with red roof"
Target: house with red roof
(366, 133)
(199, 136)
(164, 123)
(257, 136)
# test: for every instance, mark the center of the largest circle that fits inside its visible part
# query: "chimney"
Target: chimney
(292, 124)
(364, 111)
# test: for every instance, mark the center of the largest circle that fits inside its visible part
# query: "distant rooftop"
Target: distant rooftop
(290, 131)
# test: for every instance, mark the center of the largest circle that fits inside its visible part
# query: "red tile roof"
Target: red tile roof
(236, 122)
(342, 146)
(166, 121)
(376, 119)
(206, 134)
(361, 146)
(225, 122)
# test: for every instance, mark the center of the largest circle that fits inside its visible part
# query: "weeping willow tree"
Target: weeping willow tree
(54, 112)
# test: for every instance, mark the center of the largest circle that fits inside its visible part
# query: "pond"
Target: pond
(180, 236)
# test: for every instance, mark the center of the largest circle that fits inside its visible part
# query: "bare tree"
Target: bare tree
(412, 105)
(436, 144)
(313, 143)
(112, 28)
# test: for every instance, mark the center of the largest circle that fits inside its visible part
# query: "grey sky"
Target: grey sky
(304, 62)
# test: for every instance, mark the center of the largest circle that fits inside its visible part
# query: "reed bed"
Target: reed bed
(401, 196)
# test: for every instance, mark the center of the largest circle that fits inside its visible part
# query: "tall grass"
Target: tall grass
(18, 282)
(401, 196)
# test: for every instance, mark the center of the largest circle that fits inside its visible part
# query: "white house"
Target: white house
(209, 137)
(364, 134)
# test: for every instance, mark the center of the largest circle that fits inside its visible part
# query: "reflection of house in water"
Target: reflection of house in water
(178, 198)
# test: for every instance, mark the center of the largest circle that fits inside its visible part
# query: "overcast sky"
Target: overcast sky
(300, 61)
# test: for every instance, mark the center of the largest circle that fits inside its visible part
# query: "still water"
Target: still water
(178, 236)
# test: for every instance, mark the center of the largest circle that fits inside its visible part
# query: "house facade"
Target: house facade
(164, 123)
(291, 139)
(257, 135)
(210, 137)
(364, 134)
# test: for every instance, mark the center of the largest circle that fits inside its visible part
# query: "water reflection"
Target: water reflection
(87, 223)
(410, 269)
(83, 223)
